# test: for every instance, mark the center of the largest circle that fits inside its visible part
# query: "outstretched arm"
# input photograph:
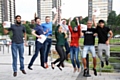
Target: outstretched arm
(77, 21)
(55, 18)
(5, 30)
(95, 24)
(79, 28)
(69, 25)
(69, 22)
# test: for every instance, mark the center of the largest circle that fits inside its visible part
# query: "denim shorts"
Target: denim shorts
(87, 48)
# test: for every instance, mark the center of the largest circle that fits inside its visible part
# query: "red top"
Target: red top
(75, 36)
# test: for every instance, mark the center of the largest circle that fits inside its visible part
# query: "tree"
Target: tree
(28, 29)
(73, 24)
(32, 26)
(85, 20)
(111, 18)
(117, 22)
(1, 29)
(27, 22)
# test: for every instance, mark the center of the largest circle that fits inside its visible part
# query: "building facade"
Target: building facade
(44, 8)
(105, 7)
(7, 10)
(90, 9)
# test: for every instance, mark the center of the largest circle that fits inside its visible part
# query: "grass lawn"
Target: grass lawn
(115, 48)
(115, 40)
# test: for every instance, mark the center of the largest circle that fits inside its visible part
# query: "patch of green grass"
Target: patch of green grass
(115, 40)
(115, 48)
(108, 68)
(114, 60)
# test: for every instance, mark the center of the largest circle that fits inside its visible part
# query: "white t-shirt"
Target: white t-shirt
(65, 27)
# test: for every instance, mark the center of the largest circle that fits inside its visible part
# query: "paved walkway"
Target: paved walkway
(38, 73)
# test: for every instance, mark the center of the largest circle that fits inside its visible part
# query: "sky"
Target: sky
(27, 8)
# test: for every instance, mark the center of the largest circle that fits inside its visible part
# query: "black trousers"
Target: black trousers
(67, 47)
(61, 53)
(39, 47)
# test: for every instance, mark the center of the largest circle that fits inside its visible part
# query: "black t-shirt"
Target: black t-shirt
(89, 38)
(102, 34)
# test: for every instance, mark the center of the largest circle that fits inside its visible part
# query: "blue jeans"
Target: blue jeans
(38, 47)
(47, 46)
(20, 48)
(67, 47)
(74, 53)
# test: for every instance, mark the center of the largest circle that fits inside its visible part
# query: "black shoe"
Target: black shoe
(62, 65)
(15, 74)
(30, 68)
(52, 65)
(59, 67)
(85, 72)
(102, 64)
(67, 58)
(107, 62)
(95, 72)
(43, 67)
(23, 71)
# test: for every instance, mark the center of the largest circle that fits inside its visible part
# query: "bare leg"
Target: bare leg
(94, 62)
(84, 63)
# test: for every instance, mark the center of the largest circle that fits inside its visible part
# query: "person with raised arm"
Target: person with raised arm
(18, 31)
(37, 32)
(103, 40)
(74, 44)
(89, 42)
(47, 28)
(60, 38)
(65, 28)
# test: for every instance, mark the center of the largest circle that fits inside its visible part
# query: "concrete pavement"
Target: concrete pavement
(38, 73)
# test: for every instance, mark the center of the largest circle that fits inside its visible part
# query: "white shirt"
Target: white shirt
(65, 27)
